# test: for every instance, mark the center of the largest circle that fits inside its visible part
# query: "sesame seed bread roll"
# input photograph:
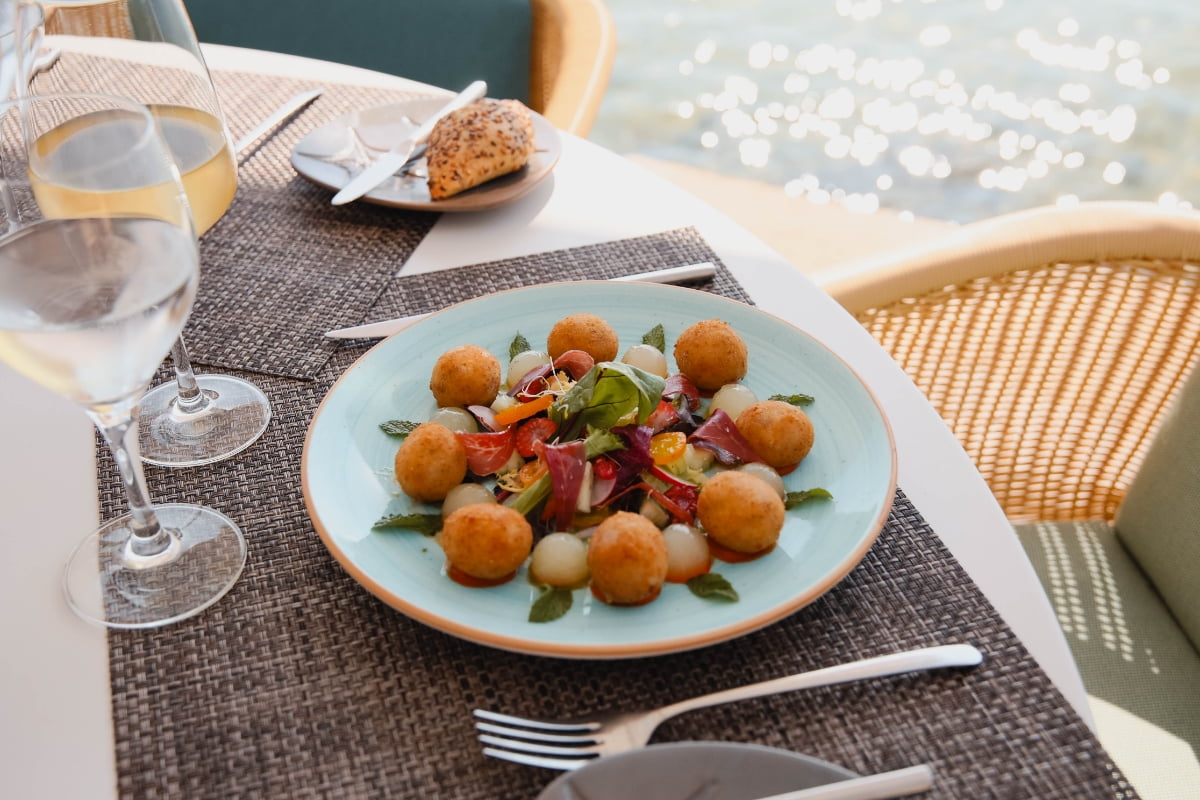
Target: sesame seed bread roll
(476, 143)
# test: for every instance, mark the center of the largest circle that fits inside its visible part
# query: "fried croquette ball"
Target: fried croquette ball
(486, 541)
(465, 375)
(431, 462)
(711, 354)
(740, 511)
(627, 557)
(586, 332)
(779, 432)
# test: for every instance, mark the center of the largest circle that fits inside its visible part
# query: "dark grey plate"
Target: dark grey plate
(694, 771)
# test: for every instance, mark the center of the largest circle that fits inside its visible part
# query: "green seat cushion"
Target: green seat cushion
(1130, 649)
(1159, 519)
(447, 43)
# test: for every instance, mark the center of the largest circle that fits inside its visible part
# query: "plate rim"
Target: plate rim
(602, 651)
(548, 146)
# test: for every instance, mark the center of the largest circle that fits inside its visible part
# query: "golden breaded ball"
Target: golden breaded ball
(430, 462)
(465, 375)
(711, 354)
(486, 541)
(586, 332)
(627, 557)
(740, 511)
(779, 432)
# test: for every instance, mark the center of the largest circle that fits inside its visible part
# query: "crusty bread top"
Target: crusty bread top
(476, 143)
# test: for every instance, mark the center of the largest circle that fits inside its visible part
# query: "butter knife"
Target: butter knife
(386, 165)
(291, 106)
(897, 783)
(375, 330)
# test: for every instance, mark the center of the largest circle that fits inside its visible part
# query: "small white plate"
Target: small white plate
(710, 770)
(331, 155)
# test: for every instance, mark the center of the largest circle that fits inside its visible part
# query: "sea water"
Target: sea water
(954, 109)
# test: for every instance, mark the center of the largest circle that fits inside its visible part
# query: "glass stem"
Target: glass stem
(120, 432)
(191, 399)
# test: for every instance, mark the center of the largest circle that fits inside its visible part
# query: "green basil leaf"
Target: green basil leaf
(656, 337)
(519, 345)
(609, 391)
(398, 427)
(794, 499)
(712, 586)
(428, 524)
(551, 604)
(794, 399)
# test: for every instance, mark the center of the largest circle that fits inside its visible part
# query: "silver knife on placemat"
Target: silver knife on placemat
(374, 330)
(386, 165)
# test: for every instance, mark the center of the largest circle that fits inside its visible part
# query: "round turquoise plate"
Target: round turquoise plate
(348, 482)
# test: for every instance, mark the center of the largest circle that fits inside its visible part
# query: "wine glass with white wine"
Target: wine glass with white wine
(92, 295)
(147, 51)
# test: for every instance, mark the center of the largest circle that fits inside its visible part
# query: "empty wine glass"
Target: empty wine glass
(147, 51)
(98, 270)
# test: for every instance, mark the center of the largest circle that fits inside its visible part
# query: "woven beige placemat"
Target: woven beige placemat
(300, 684)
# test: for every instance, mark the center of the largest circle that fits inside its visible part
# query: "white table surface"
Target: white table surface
(56, 737)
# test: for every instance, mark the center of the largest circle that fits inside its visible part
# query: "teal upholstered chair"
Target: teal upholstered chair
(554, 55)
(1057, 344)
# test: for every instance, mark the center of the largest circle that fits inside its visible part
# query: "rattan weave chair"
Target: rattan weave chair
(572, 53)
(1057, 344)
(1051, 342)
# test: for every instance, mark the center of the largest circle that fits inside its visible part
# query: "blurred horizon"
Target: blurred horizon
(956, 110)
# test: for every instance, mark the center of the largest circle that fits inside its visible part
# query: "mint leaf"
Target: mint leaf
(519, 345)
(794, 499)
(398, 427)
(794, 399)
(428, 524)
(552, 603)
(656, 337)
(712, 586)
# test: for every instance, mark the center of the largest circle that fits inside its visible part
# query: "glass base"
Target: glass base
(236, 414)
(107, 585)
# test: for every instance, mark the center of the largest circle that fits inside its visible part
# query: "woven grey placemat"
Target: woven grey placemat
(283, 266)
(300, 684)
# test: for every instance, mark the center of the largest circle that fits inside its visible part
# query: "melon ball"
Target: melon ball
(466, 494)
(559, 559)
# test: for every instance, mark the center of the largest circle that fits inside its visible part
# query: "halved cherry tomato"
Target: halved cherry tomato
(523, 410)
(668, 447)
(538, 429)
(532, 471)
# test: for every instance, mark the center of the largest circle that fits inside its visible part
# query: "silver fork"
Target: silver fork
(572, 743)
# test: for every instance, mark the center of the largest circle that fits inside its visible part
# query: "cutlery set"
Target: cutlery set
(573, 743)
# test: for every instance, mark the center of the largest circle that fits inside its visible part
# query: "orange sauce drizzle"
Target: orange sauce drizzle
(458, 576)
(723, 553)
(596, 593)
